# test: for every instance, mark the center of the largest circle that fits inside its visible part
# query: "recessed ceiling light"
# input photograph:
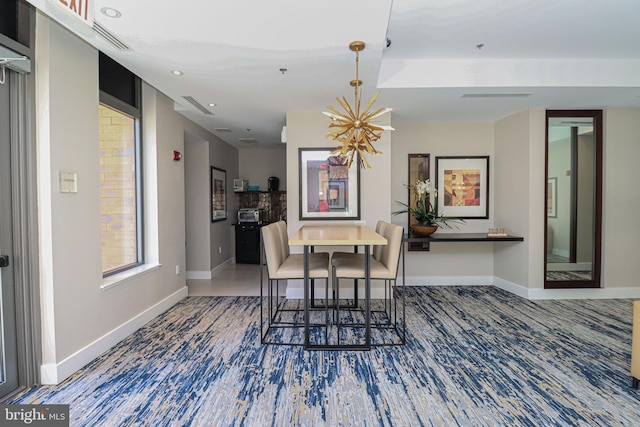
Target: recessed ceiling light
(111, 12)
(177, 72)
(212, 104)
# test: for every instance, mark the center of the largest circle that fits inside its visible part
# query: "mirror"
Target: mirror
(418, 171)
(574, 200)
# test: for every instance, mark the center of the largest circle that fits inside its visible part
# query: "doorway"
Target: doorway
(8, 337)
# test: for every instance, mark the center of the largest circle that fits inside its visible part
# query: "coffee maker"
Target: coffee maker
(273, 183)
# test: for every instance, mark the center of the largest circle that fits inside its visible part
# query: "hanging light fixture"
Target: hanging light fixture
(353, 128)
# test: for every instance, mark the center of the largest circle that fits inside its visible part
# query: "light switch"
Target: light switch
(68, 182)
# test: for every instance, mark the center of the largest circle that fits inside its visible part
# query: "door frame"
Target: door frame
(24, 218)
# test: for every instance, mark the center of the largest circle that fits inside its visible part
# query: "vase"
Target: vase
(424, 230)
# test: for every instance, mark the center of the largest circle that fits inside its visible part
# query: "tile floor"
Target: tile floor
(235, 280)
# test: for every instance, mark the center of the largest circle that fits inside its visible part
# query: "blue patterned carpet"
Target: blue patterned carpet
(476, 356)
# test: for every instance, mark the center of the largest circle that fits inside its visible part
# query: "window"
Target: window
(120, 169)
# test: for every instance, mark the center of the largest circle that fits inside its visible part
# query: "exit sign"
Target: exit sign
(82, 9)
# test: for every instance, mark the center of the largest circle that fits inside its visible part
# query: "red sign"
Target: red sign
(82, 9)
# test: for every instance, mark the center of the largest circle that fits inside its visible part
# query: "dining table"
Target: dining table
(327, 234)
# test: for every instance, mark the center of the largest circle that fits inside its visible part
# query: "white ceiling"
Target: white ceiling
(564, 54)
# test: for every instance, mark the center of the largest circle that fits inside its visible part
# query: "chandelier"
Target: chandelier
(353, 128)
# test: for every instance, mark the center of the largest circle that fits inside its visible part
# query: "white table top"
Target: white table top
(336, 235)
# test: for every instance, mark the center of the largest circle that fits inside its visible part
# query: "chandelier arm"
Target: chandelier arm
(376, 128)
(338, 134)
(346, 107)
(368, 117)
(370, 104)
(373, 115)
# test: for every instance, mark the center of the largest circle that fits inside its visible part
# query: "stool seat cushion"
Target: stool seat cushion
(293, 266)
(354, 269)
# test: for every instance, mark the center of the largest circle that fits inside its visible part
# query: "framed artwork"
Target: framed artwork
(328, 188)
(552, 197)
(463, 186)
(218, 194)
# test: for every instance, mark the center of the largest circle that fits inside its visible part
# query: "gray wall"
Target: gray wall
(257, 165)
(210, 246)
(82, 316)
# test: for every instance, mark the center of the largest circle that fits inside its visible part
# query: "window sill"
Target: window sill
(125, 276)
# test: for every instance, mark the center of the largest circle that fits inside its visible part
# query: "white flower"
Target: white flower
(425, 187)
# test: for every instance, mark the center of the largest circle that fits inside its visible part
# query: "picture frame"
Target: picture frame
(218, 186)
(463, 186)
(552, 197)
(328, 188)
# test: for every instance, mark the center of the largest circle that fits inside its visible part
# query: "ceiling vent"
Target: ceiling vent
(105, 34)
(196, 104)
(248, 140)
(496, 95)
(222, 129)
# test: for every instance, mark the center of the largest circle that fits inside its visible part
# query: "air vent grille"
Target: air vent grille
(191, 100)
(496, 95)
(105, 34)
(222, 129)
(248, 140)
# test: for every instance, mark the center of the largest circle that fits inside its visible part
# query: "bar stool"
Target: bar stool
(282, 265)
(342, 258)
(383, 265)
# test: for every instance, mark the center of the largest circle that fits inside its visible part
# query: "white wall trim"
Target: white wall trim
(207, 275)
(523, 291)
(600, 293)
(55, 373)
(221, 267)
(128, 275)
(448, 280)
(514, 288)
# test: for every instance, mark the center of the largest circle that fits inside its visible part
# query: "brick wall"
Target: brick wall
(117, 189)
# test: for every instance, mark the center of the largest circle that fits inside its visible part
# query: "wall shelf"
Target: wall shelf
(419, 243)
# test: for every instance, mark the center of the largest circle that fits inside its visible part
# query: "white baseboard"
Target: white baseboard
(551, 294)
(523, 291)
(221, 267)
(448, 281)
(514, 288)
(600, 293)
(56, 373)
(208, 275)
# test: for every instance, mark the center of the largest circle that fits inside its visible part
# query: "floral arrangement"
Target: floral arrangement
(423, 211)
